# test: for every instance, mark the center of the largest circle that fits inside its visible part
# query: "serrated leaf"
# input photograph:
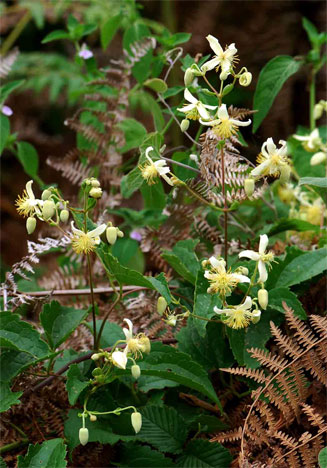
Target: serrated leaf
(156, 84)
(59, 322)
(7, 397)
(131, 182)
(12, 362)
(204, 454)
(28, 157)
(183, 259)
(279, 295)
(111, 333)
(51, 454)
(4, 131)
(109, 29)
(146, 383)
(319, 184)
(204, 303)
(271, 79)
(322, 458)
(286, 224)
(75, 383)
(134, 133)
(142, 456)
(55, 36)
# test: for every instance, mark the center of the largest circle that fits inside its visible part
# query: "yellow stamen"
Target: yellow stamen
(23, 205)
(237, 319)
(149, 173)
(225, 129)
(82, 243)
(221, 283)
(193, 114)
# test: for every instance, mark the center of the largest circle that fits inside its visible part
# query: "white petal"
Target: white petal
(314, 134)
(230, 52)
(263, 243)
(210, 107)
(97, 231)
(147, 151)
(76, 231)
(211, 64)
(240, 123)
(241, 278)
(271, 147)
(187, 108)
(301, 137)
(219, 311)
(217, 264)
(260, 169)
(203, 112)
(129, 332)
(29, 190)
(214, 44)
(263, 275)
(119, 359)
(207, 274)
(247, 303)
(222, 112)
(189, 97)
(225, 65)
(167, 179)
(148, 158)
(211, 123)
(256, 313)
(249, 254)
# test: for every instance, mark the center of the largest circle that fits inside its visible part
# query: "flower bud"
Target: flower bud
(93, 418)
(161, 305)
(48, 209)
(249, 187)
(256, 318)
(242, 270)
(145, 344)
(95, 192)
(188, 77)
(95, 357)
(64, 215)
(83, 435)
(184, 125)
(95, 183)
(136, 421)
(120, 233)
(245, 79)
(318, 158)
(318, 111)
(30, 225)
(111, 234)
(136, 371)
(263, 298)
(285, 173)
(46, 194)
(223, 75)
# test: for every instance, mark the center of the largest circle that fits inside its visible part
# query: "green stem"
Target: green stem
(252, 282)
(95, 343)
(202, 200)
(15, 33)
(170, 121)
(13, 445)
(312, 99)
(204, 318)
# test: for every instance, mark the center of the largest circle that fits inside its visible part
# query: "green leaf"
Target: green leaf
(303, 268)
(286, 224)
(204, 454)
(28, 157)
(59, 322)
(158, 85)
(124, 250)
(271, 79)
(311, 30)
(175, 39)
(12, 362)
(279, 295)
(2, 463)
(318, 183)
(147, 383)
(55, 36)
(37, 11)
(75, 383)
(142, 456)
(183, 259)
(322, 458)
(8, 88)
(134, 133)
(131, 182)
(148, 105)
(204, 303)
(111, 333)
(237, 343)
(173, 91)
(21, 336)
(169, 363)
(4, 131)
(51, 454)
(7, 397)
(109, 29)
(154, 196)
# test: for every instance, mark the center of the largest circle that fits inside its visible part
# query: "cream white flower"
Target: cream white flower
(119, 359)
(239, 316)
(196, 108)
(310, 142)
(225, 126)
(262, 257)
(136, 344)
(85, 242)
(223, 58)
(271, 160)
(27, 204)
(152, 170)
(222, 281)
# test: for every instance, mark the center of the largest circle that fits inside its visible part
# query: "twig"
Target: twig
(181, 165)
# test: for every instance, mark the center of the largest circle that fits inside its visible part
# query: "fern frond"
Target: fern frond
(286, 343)
(273, 362)
(75, 172)
(286, 439)
(229, 436)
(303, 334)
(255, 374)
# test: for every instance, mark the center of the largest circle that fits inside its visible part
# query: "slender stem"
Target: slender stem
(225, 204)
(312, 97)
(15, 33)
(170, 121)
(107, 316)
(181, 164)
(210, 85)
(13, 445)
(93, 303)
(202, 200)
(204, 318)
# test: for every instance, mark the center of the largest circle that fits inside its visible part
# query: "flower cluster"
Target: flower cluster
(314, 144)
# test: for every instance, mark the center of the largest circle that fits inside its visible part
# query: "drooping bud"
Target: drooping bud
(93, 418)
(318, 111)
(64, 215)
(111, 234)
(120, 233)
(185, 125)
(263, 298)
(95, 357)
(45, 194)
(245, 79)
(95, 192)
(83, 435)
(48, 209)
(188, 77)
(95, 183)
(285, 173)
(249, 187)
(136, 419)
(30, 225)
(223, 75)
(242, 270)
(256, 318)
(136, 371)
(318, 158)
(161, 305)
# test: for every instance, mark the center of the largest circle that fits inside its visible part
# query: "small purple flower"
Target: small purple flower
(6, 110)
(85, 53)
(136, 235)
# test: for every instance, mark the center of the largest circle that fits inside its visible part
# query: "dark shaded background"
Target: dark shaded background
(260, 29)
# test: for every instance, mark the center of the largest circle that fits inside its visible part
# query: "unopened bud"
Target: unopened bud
(95, 357)
(161, 305)
(120, 233)
(83, 435)
(318, 111)
(95, 192)
(136, 371)
(111, 234)
(30, 225)
(256, 318)
(285, 173)
(245, 79)
(48, 209)
(95, 183)
(93, 418)
(185, 125)
(223, 75)
(45, 194)
(249, 187)
(188, 77)
(136, 419)
(318, 158)
(263, 298)
(64, 215)
(242, 270)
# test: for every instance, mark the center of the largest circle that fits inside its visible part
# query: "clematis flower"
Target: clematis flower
(85, 53)
(272, 161)
(225, 126)
(152, 170)
(195, 109)
(312, 212)
(239, 316)
(119, 359)
(222, 281)
(262, 257)
(223, 58)
(136, 344)
(310, 142)
(27, 204)
(85, 242)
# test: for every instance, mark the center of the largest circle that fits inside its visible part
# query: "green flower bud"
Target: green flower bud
(242, 270)
(185, 125)
(30, 225)
(96, 371)
(111, 234)
(95, 357)
(49, 209)
(136, 419)
(188, 77)
(93, 418)
(249, 187)
(83, 435)
(64, 215)
(161, 305)
(318, 158)
(223, 75)
(120, 233)
(256, 319)
(245, 79)
(46, 194)
(95, 192)
(285, 173)
(263, 298)
(136, 371)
